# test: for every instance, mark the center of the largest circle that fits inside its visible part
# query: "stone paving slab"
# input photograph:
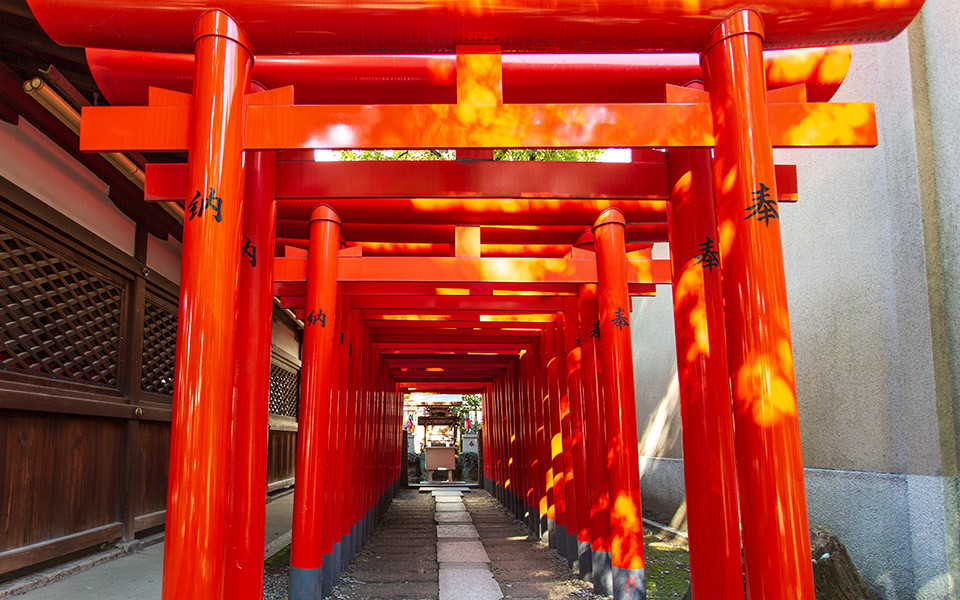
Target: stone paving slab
(457, 531)
(461, 552)
(465, 565)
(441, 499)
(468, 584)
(453, 517)
(451, 488)
(451, 507)
(456, 493)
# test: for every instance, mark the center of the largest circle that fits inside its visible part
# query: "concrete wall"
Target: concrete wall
(870, 280)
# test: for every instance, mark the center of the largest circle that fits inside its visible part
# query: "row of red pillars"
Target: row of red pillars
(560, 438)
(349, 446)
(348, 442)
(560, 446)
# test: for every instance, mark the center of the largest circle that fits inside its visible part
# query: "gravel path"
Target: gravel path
(398, 562)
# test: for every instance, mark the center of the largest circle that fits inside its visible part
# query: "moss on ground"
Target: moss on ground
(667, 565)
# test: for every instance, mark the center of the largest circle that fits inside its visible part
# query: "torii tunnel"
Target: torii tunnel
(509, 279)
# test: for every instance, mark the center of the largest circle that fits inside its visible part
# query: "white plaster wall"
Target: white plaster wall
(36, 164)
(941, 28)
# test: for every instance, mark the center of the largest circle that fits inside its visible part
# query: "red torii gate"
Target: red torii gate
(219, 121)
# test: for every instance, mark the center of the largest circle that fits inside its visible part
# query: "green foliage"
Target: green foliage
(552, 154)
(561, 154)
(470, 403)
(397, 154)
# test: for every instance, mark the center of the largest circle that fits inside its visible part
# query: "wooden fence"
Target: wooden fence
(87, 340)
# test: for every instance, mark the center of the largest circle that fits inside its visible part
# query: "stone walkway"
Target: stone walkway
(524, 568)
(451, 545)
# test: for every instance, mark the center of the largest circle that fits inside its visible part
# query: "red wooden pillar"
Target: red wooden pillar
(545, 439)
(193, 564)
(370, 364)
(336, 442)
(544, 489)
(248, 473)
(551, 410)
(530, 450)
(596, 440)
(366, 414)
(486, 440)
(566, 442)
(310, 501)
(573, 347)
(513, 447)
(351, 470)
(709, 466)
(626, 527)
(535, 431)
(501, 426)
(769, 462)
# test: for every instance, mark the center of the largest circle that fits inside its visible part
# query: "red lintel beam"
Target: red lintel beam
(452, 387)
(442, 269)
(480, 316)
(298, 180)
(489, 234)
(500, 303)
(446, 179)
(124, 76)
(445, 249)
(401, 26)
(528, 327)
(502, 288)
(479, 211)
(456, 347)
(426, 126)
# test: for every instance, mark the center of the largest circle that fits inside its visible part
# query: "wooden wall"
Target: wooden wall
(87, 339)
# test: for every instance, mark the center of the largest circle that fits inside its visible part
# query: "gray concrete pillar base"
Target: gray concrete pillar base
(353, 542)
(544, 529)
(367, 525)
(562, 540)
(326, 582)
(552, 534)
(602, 573)
(573, 551)
(531, 518)
(584, 560)
(344, 552)
(306, 584)
(629, 584)
(337, 562)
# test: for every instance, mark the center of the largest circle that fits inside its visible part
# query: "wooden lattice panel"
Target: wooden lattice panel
(159, 346)
(284, 391)
(57, 317)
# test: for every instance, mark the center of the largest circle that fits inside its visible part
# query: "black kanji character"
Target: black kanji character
(764, 207)
(199, 204)
(314, 318)
(250, 251)
(620, 320)
(708, 257)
